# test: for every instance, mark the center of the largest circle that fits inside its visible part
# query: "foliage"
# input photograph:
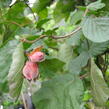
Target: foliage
(15, 77)
(74, 36)
(62, 92)
(99, 86)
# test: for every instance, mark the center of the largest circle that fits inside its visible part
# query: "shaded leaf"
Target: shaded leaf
(49, 67)
(79, 62)
(100, 90)
(62, 92)
(94, 49)
(96, 29)
(98, 48)
(15, 76)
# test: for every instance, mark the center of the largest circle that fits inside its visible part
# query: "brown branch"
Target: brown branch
(15, 23)
(32, 41)
(68, 35)
(83, 76)
(55, 37)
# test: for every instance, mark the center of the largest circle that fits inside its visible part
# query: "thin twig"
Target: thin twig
(15, 23)
(24, 102)
(83, 76)
(30, 10)
(32, 41)
(85, 13)
(68, 35)
(56, 37)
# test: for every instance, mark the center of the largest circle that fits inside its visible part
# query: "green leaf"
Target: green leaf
(16, 15)
(79, 62)
(63, 9)
(50, 67)
(96, 5)
(2, 31)
(100, 90)
(4, 87)
(65, 54)
(35, 45)
(76, 16)
(96, 29)
(106, 8)
(40, 5)
(75, 39)
(6, 58)
(15, 76)
(5, 3)
(27, 32)
(62, 92)
(42, 22)
(98, 48)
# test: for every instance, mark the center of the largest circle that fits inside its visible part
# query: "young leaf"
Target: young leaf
(96, 29)
(62, 92)
(15, 77)
(96, 5)
(100, 90)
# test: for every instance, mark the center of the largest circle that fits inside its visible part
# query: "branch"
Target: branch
(55, 37)
(32, 41)
(83, 76)
(24, 102)
(68, 35)
(85, 13)
(15, 23)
